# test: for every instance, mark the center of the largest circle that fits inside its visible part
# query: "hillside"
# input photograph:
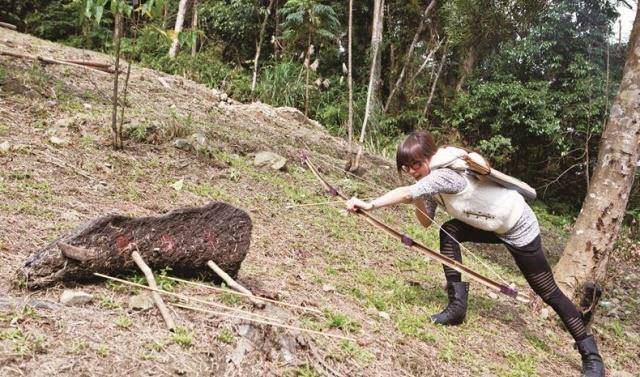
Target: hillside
(189, 145)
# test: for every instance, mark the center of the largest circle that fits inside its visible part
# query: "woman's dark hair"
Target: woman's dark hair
(418, 146)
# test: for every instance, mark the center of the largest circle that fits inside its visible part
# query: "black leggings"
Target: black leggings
(530, 260)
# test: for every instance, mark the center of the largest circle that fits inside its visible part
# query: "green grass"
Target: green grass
(108, 303)
(350, 350)
(182, 337)
(24, 343)
(536, 342)
(102, 351)
(341, 321)
(124, 321)
(306, 370)
(226, 336)
(208, 191)
(155, 346)
(518, 365)
(77, 346)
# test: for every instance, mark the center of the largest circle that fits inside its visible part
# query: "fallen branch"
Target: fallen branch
(164, 82)
(61, 164)
(105, 66)
(265, 322)
(8, 26)
(243, 294)
(156, 296)
(55, 61)
(183, 297)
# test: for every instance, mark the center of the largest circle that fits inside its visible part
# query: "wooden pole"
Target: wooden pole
(228, 279)
(242, 294)
(156, 296)
(182, 297)
(55, 61)
(8, 26)
(264, 322)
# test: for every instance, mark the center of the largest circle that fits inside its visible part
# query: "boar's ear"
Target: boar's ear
(74, 252)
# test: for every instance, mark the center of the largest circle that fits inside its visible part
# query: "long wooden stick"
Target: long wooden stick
(265, 322)
(234, 284)
(242, 294)
(89, 63)
(54, 61)
(8, 25)
(182, 297)
(228, 279)
(156, 296)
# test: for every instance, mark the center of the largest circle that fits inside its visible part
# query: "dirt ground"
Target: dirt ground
(188, 145)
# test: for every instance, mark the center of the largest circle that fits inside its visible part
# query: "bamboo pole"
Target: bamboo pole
(156, 296)
(181, 297)
(242, 294)
(265, 322)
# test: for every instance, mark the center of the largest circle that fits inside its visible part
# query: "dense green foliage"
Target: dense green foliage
(511, 84)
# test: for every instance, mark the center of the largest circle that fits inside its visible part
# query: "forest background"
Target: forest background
(528, 83)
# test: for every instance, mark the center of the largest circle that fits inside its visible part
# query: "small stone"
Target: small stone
(606, 304)
(75, 298)
(55, 140)
(87, 106)
(493, 295)
(182, 144)
(264, 158)
(224, 97)
(328, 288)
(64, 122)
(544, 313)
(198, 140)
(5, 147)
(141, 302)
(384, 315)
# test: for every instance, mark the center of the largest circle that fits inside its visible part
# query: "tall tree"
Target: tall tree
(409, 54)
(182, 10)
(350, 79)
(263, 28)
(312, 21)
(589, 248)
(374, 75)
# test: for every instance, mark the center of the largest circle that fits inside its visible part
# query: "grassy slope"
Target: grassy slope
(47, 190)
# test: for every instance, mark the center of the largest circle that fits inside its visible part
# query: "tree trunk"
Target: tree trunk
(307, 64)
(374, 75)
(467, 67)
(407, 58)
(117, 38)
(426, 60)
(182, 9)
(263, 27)
(589, 248)
(425, 112)
(194, 27)
(350, 82)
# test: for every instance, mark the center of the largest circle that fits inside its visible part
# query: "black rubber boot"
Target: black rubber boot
(456, 311)
(592, 365)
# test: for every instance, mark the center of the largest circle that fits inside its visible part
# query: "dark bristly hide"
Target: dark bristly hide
(183, 240)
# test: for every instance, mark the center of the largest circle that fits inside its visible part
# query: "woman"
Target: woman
(483, 212)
